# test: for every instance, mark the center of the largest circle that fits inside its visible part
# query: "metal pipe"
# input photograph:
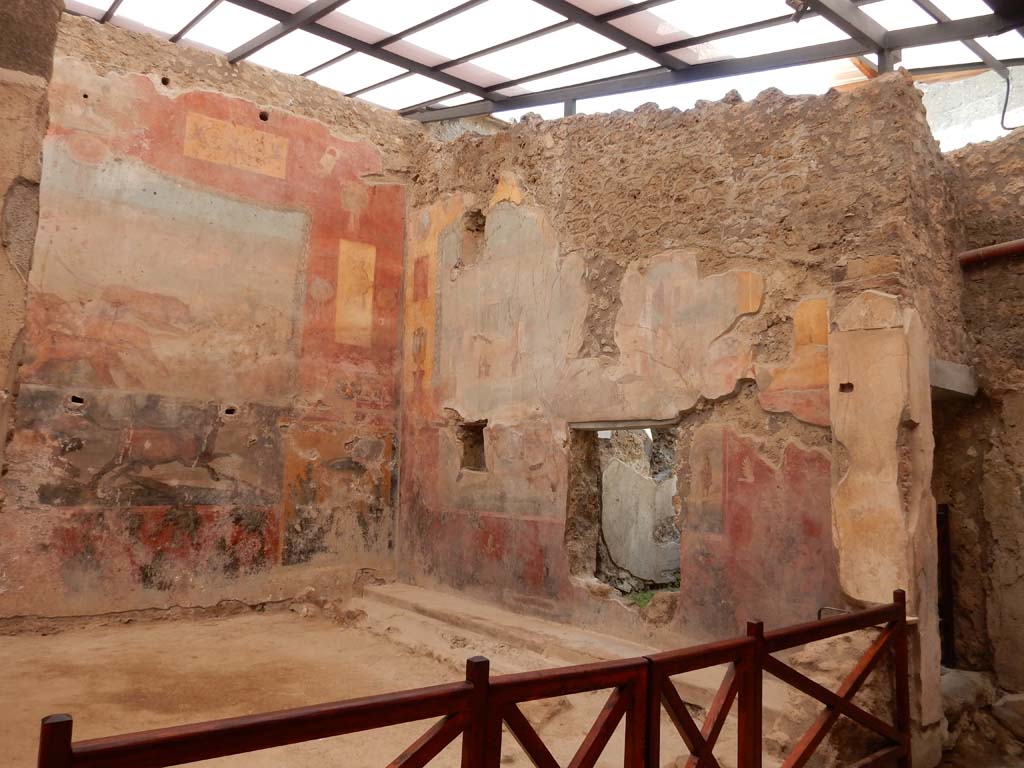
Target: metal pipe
(990, 252)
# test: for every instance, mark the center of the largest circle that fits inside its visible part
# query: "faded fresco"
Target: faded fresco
(208, 385)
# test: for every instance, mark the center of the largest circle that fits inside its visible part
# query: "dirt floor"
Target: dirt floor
(119, 677)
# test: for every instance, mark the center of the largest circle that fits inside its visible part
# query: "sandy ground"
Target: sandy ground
(122, 677)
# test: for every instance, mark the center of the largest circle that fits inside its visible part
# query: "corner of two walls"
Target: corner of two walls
(207, 404)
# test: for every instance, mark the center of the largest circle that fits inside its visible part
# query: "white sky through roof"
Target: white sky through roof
(494, 22)
(228, 26)
(297, 52)
(165, 18)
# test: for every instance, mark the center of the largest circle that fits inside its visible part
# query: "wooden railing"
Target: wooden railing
(478, 707)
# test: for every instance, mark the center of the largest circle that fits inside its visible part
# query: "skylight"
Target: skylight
(493, 22)
(164, 18)
(227, 27)
(297, 52)
(494, 55)
(356, 72)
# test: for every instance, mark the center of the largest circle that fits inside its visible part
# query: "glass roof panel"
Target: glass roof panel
(1009, 45)
(297, 52)
(162, 17)
(407, 91)
(455, 101)
(684, 18)
(548, 112)
(810, 31)
(809, 78)
(622, 65)
(554, 49)
(228, 26)
(355, 72)
(485, 25)
(898, 14)
(937, 55)
(393, 16)
(92, 8)
(963, 9)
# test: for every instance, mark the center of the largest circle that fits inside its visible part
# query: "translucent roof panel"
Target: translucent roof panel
(809, 31)
(455, 101)
(898, 14)
(227, 27)
(408, 91)
(809, 78)
(555, 49)
(493, 22)
(297, 52)
(355, 72)
(620, 65)
(92, 8)
(1009, 45)
(393, 16)
(937, 55)
(159, 16)
(685, 18)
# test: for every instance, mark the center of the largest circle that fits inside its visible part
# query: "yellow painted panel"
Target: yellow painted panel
(217, 141)
(353, 319)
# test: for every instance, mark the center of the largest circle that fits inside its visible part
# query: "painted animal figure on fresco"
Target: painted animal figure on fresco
(142, 446)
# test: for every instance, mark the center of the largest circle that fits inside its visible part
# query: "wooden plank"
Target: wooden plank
(700, 656)
(636, 723)
(804, 749)
(817, 691)
(715, 719)
(524, 733)
(548, 683)
(801, 634)
(683, 722)
(749, 717)
(597, 738)
(429, 745)
(218, 738)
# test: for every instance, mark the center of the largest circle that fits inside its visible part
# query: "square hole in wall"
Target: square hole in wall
(474, 453)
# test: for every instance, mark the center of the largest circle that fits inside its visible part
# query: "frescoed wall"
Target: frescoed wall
(207, 390)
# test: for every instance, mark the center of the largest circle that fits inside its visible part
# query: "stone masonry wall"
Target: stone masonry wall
(982, 444)
(643, 266)
(207, 403)
(26, 62)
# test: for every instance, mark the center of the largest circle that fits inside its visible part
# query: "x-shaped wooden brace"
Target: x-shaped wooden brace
(429, 745)
(701, 742)
(837, 703)
(591, 748)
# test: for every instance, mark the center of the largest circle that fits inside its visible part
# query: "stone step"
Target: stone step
(537, 643)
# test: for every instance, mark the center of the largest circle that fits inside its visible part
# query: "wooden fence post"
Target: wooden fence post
(901, 678)
(636, 719)
(750, 671)
(55, 742)
(653, 748)
(478, 671)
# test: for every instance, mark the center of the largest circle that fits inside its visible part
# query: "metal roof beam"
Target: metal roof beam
(989, 60)
(853, 21)
(952, 31)
(195, 20)
(923, 35)
(711, 70)
(364, 47)
(109, 13)
(613, 33)
(308, 15)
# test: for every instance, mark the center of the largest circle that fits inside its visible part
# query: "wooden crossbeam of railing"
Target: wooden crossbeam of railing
(477, 708)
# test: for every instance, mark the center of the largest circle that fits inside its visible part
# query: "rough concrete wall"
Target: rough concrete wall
(26, 61)
(657, 265)
(207, 401)
(983, 454)
(970, 109)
